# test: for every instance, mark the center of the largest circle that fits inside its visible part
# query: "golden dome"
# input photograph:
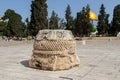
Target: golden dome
(93, 16)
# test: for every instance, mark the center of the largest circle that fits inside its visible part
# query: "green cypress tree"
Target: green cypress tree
(102, 25)
(88, 25)
(116, 20)
(78, 25)
(69, 18)
(61, 24)
(38, 16)
(83, 21)
(53, 24)
(27, 24)
(107, 23)
(2, 27)
(83, 25)
(14, 23)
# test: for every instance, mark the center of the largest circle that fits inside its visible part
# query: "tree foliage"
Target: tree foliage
(62, 24)
(83, 25)
(115, 28)
(103, 23)
(69, 19)
(27, 24)
(2, 27)
(53, 24)
(14, 24)
(38, 16)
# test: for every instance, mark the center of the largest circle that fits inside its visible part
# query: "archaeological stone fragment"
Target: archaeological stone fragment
(54, 50)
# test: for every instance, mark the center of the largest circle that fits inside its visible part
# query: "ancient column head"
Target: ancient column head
(54, 50)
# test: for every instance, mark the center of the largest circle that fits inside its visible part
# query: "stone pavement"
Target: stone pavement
(99, 60)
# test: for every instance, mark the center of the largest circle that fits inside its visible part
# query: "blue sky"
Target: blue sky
(22, 7)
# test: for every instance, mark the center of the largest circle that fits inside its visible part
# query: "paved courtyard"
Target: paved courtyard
(99, 60)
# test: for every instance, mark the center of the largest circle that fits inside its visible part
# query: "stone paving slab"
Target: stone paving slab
(99, 60)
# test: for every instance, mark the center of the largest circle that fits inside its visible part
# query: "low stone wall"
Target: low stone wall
(97, 38)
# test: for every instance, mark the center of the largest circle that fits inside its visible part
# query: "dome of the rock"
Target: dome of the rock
(93, 15)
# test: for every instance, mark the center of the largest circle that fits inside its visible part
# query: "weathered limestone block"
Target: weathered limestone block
(54, 50)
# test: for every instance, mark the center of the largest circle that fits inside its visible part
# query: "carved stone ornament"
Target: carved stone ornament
(54, 50)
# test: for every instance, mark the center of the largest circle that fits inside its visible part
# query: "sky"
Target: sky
(22, 7)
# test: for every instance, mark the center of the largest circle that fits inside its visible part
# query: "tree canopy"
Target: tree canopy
(83, 24)
(102, 25)
(2, 27)
(53, 24)
(116, 20)
(14, 23)
(39, 15)
(69, 18)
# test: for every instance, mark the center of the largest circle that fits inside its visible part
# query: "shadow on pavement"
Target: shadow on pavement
(25, 63)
